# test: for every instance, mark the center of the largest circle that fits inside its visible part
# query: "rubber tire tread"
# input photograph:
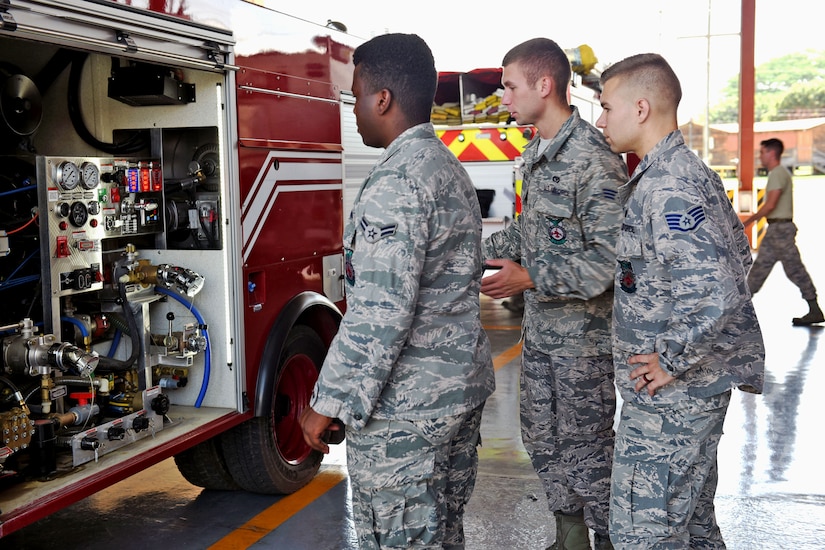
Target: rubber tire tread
(204, 466)
(250, 449)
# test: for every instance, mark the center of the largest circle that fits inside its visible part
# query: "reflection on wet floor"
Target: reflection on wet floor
(771, 489)
(771, 492)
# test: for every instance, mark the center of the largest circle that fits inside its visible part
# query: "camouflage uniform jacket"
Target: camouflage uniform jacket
(683, 260)
(411, 344)
(565, 238)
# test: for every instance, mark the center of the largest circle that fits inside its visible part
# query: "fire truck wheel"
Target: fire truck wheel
(268, 454)
(203, 465)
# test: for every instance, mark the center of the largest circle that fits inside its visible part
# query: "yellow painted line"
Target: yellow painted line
(270, 519)
(506, 356)
(502, 327)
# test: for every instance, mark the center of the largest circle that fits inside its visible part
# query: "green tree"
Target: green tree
(803, 100)
(791, 86)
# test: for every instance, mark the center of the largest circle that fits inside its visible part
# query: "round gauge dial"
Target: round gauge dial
(78, 214)
(67, 175)
(90, 175)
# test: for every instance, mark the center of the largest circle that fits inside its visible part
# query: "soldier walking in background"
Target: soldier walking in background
(779, 242)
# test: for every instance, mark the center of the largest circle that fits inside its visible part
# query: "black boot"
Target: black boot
(602, 542)
(813, 317)
(571, 532)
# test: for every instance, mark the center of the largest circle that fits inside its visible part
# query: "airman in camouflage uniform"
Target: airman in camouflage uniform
(684, 328)
(410, 367)
(564, 242)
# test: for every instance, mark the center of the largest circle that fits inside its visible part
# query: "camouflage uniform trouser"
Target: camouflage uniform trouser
(665, 475)
(779, 245)
(568, 405)
(411, 480)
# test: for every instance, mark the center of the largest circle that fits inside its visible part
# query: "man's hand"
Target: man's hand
(314, 425)
(511, 279)
(648, 374)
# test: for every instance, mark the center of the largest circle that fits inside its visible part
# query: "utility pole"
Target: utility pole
(706, 131)
(706, 126)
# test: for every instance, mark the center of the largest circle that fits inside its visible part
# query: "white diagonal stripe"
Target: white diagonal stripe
(266, 189)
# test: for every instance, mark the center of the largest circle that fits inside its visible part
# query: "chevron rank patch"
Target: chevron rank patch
(373, 233)
(686, 221)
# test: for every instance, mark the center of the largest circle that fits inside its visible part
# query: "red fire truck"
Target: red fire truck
(171, 185)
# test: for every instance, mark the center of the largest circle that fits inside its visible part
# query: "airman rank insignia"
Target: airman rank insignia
(686, 221)
(349, 271)
(373, 233)
(558, 234)
(627, 279)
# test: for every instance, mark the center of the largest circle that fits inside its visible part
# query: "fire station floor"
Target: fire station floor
(771, 492)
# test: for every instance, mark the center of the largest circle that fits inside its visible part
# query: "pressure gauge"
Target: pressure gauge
(78, 214)
(90, 175)
(67, 175)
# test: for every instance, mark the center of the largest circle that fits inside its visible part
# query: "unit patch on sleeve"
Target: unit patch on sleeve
(373, 233)
(627, 278)
(558, 234)
(686, 221)
(349, 271)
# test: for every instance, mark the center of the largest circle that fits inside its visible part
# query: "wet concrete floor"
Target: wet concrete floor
(771, 489)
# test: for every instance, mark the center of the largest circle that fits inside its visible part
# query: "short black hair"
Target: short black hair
(539, 57)
(403, 64)
(775, 145)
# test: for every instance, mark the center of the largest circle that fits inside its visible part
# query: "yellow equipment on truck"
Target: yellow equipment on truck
(470, 119)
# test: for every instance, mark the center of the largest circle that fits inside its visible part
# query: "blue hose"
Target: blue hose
(28, 187)
(10, 281)
(78, 324)
(208, 359)
(115, 343)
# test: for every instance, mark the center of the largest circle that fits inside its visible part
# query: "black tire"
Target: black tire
(203, 465)
(268, 454)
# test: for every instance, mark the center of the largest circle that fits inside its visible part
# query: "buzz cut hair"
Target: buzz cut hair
(539, 57)
(650, 72)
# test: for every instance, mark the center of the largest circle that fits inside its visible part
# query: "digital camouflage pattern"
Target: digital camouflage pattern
(570, 438)
(683, 260)
(665, 475)
(779, 245)
(410, 367)
(412, 479)
(411, 345)
(565, 238)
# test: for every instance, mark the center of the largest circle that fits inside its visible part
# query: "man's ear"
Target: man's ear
(642, 109)
(545, 85)
(384, 101)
